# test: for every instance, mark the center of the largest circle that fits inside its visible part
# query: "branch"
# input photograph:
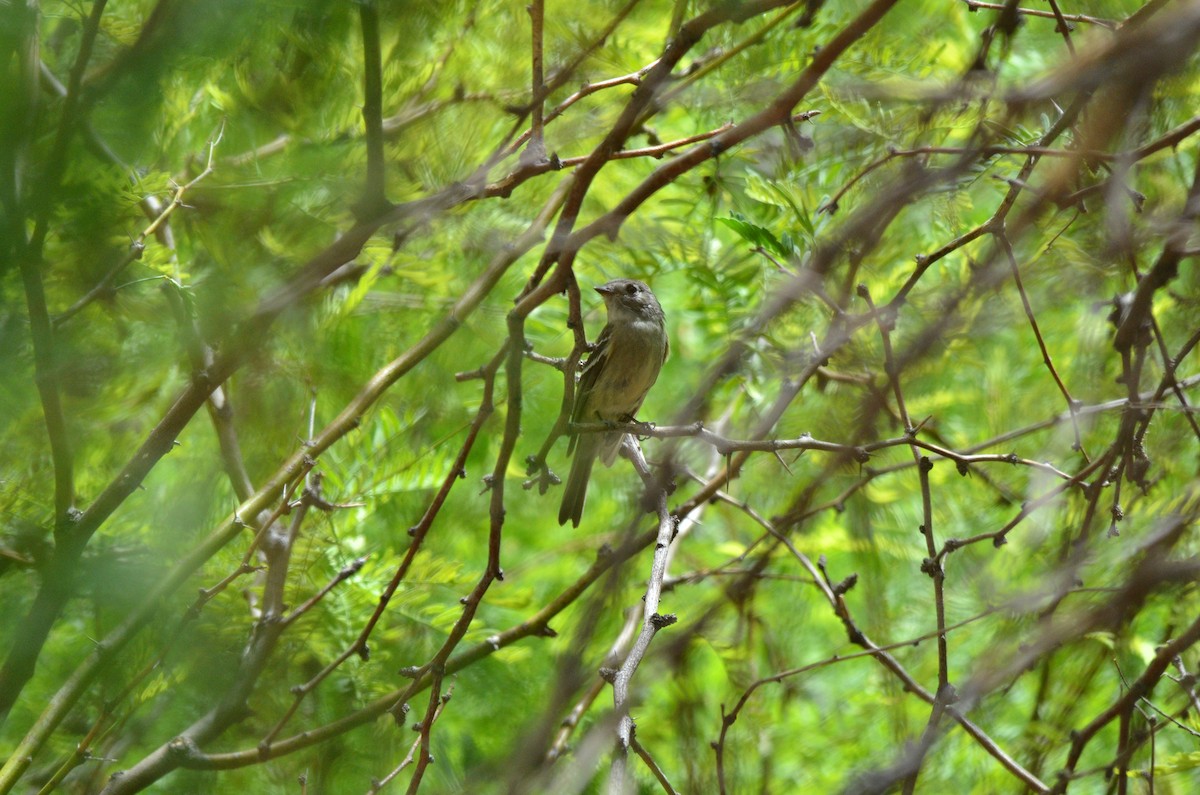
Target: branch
(778, 112)
(138, 247)
(652, 622)
(936, 572)
(975, 5)
(53, 595)
(377, 785)
(28, 254)
(418, 534)
(1072, 403)
(535, 151)
(1134, 318)
(231, 707)
(374, 198)
(834, 594)
(563, 244)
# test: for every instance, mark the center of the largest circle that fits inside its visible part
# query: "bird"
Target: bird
(623, 365)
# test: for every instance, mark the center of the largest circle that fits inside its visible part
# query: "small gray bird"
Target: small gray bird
(614, 381)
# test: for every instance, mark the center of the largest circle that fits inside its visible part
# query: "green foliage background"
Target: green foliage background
(276, 89)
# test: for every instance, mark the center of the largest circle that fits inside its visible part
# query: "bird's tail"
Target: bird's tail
(577, 482)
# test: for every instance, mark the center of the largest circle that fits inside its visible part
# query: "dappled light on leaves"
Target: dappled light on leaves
(295, 296)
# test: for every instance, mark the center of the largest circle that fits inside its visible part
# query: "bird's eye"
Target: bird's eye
(631, 289)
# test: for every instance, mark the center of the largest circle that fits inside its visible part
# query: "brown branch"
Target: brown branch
(834, 595)
(698, 70)
(778, 112)
(659, 775)
(618, 651)
(346, 572)
(1072, 403)
(220, 408)
(932, 565)
(1137, 314)
(1062, 27)
(543, 88)
(138, 246)
(374, 198)
(28, 251)
(563, 243)
(652, 622)
(69, 119)
(1154, 570)
(527, 169)
(535, 150)
(247, 336)
(1138, 55)
(975, 5)
(535, 626)
(231, 706)
(28, 254)
(52, 596)
(377, 785)
(418, 533)
(1138, 689)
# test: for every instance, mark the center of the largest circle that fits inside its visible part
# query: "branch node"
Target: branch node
(661, 621)
(947, 694)
(843, 587)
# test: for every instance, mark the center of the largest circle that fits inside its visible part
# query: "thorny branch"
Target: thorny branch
(1123, 65)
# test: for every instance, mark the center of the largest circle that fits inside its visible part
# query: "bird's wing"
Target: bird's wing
(588, 377)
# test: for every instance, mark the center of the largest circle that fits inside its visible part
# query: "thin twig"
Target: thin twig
(374, 191)
(138, 246)
(974, 5)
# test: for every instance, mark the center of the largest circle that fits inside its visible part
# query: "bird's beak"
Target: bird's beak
(605, 289)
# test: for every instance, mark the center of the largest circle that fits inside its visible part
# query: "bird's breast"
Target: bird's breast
(636, 356)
